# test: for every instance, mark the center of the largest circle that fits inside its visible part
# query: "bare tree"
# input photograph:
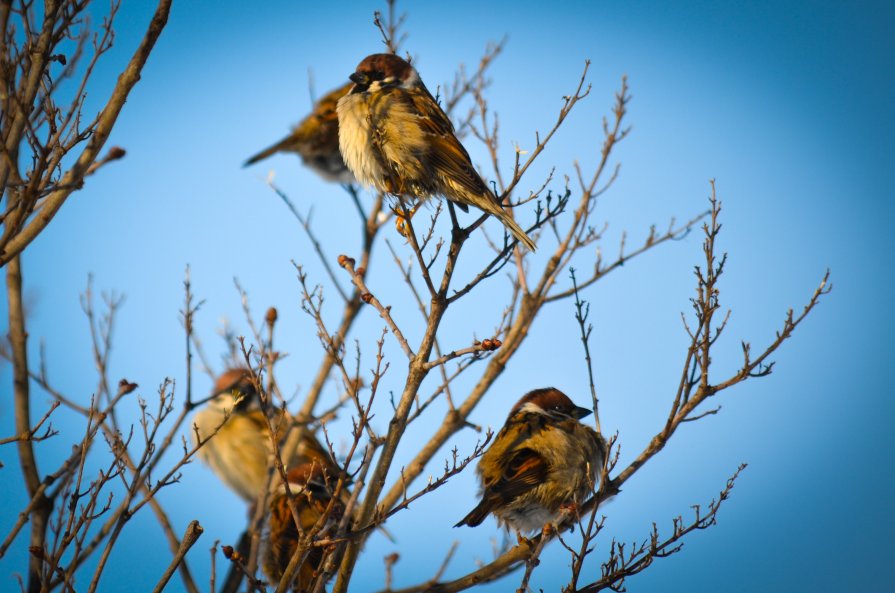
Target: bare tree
(48, 146)
(76, 515)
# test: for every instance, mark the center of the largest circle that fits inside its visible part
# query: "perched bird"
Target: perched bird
(395, 137)
(541, 462)
(316, 140)
(240, 451)
(312, 488)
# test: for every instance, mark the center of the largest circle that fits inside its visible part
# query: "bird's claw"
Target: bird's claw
(401, 221)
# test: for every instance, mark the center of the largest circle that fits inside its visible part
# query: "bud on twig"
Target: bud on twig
(115, 153)
(490, 344)
(124, 387)
(271, 316)
(346, 261)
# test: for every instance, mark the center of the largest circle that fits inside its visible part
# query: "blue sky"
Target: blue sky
(787, 105)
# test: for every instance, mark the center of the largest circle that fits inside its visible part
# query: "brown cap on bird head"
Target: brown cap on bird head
(550, 399)
(235, 379)
(385, 68)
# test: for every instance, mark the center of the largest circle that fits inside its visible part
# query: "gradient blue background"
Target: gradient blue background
(788, 105)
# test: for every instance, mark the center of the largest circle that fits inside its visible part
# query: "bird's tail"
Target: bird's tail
(515, 229)
(495, 210)
(283, 144)
(476, 515)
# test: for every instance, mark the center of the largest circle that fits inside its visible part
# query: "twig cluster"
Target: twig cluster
(48, 147)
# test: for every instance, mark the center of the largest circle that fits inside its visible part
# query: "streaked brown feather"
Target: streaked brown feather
(312, 486)
(526, 470)
(433, 119)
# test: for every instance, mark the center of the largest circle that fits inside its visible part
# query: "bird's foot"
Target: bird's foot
(401, 221)
(569, 508)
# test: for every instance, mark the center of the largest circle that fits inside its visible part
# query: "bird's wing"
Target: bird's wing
(525, 471)
(310, 449)
(258, 421)
(448, 156)
(457, 173)
(435, 120)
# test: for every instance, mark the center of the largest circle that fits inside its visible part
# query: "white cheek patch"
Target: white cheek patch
(225, 402)
(296, 489)
(532, 408)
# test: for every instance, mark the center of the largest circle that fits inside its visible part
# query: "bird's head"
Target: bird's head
(551, 402)
(383, 70)
(234, 389)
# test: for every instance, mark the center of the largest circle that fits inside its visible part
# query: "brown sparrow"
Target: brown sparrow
(312, 488)
(542, 462)
(316, 140)
(395, 137)
(241, 450)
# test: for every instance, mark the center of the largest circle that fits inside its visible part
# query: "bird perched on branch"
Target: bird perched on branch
(312, 488)
(542, 463)
(395, 137)
(316, 140)
(241, 450)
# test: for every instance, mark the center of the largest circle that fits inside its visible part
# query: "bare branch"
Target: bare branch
(193, 531)
(621, 565)
(366, 296)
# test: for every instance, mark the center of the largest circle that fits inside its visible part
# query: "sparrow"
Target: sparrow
(316, 140)
(312, 488)
(395, 137)
(542, 462)
(240, 452)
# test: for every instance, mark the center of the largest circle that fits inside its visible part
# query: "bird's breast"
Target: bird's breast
(237, 453)
(355, 138)
(384, 144)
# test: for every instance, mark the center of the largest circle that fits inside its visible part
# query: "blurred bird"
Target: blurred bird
(542, 462)
(316, 140)
(312, 487)
(240, 451)
(395, 137)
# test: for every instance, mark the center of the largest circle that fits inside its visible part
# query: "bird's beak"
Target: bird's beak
(580, 412)
(358, 78)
